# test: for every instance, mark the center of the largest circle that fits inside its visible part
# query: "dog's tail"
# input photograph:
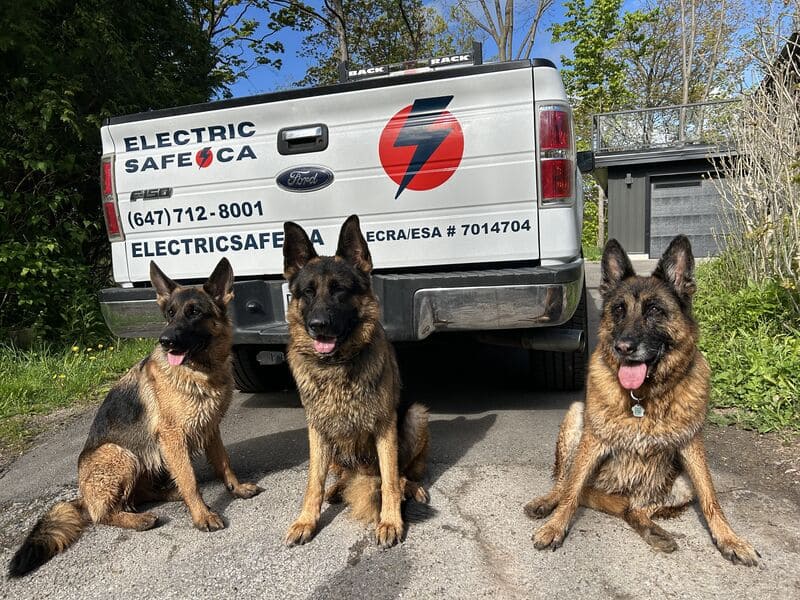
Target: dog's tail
(413, 441)
(58, 529)
(363, 492)
(363, 495)
(680, 497)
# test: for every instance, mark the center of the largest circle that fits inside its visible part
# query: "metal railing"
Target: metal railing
(700, 123)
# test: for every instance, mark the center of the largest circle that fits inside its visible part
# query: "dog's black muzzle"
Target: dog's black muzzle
(179, 339)
(629, 350)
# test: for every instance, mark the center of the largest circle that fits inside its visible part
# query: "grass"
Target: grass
(40, 380)
(591, 252)
(751, 338)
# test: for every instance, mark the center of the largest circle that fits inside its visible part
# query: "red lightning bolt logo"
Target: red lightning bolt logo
(422, 145)
(204, 157)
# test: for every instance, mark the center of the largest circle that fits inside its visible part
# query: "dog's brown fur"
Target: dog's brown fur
(357, 426)
(150, 424)
(630, 467)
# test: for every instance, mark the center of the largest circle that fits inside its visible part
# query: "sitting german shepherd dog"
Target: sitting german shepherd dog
(161, 412)
(349, 385)
(625, 451)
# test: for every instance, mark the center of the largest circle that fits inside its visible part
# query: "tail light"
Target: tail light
(556, 155)
(109, 198)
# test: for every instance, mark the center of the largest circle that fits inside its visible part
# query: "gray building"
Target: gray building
(659, 170)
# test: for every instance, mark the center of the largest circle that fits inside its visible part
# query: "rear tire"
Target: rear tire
(251, 376)
(565, 371)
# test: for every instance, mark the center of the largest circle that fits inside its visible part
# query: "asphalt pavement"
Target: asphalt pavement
(493, 436)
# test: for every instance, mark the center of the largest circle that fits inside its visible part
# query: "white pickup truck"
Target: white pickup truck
(463, 174)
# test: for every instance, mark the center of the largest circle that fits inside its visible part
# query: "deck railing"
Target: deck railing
(701, 123)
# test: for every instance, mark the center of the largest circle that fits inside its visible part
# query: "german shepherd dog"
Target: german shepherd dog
(627, 451)
(349, 384)
(161, 412)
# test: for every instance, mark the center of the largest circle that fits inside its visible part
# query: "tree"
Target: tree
(595, 75)
(707, 32)
(773, 24)
(682, 52)
(362, 32)
(648, 52)
(499, 22)
(66, 67)
(760, 186)
(243, 33)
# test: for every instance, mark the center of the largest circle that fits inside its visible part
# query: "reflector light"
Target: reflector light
(556, 178)
(112, 224)
(105, 177)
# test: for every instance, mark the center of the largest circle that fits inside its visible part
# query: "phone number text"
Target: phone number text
(165, 217)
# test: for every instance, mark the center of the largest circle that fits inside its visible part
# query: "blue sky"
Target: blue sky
(264, 79)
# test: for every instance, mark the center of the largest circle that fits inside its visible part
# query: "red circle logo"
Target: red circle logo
(421, 146)
(204, 157)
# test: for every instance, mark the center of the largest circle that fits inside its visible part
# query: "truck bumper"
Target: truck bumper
(414, 305)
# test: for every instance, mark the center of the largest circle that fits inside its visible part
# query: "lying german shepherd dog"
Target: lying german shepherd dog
(349, 385)
(626, 451)
(161, 412)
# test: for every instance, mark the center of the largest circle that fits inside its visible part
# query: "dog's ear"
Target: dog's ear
(297, 249)
(164, 285)
(220, 285)
(676, 267)
(615, 267)
(352, 245)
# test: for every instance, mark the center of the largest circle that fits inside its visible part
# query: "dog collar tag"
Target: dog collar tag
(637, 409)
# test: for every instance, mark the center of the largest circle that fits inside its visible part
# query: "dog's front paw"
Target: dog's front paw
(549, 535)
(300, 532)
(246, 490)
(738, 551)
(388, 534)
(209, 521)
(540, 507)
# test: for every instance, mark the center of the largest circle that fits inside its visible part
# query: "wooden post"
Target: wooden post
(601, 221)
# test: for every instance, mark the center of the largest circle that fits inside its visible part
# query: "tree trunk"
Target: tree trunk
(687, 46)
(687, 57)
(714, 60)
(336, 8)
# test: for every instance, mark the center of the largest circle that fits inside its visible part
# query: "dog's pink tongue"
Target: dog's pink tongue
(175, 358)
(324, 345)
(631, 377)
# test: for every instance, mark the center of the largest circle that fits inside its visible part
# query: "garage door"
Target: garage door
(687, 204)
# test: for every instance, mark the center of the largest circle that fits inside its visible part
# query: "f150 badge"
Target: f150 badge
(421, 146)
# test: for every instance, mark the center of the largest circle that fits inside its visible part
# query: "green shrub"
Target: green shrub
(591, 251)
(49, 291)
(589, 235)
(66, 66)
(751, 338)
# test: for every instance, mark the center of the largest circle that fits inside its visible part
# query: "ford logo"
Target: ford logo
(304, 179)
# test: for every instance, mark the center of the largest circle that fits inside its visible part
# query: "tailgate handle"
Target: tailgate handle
(302, 139)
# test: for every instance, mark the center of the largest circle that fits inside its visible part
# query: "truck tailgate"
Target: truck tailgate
(441, 171)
